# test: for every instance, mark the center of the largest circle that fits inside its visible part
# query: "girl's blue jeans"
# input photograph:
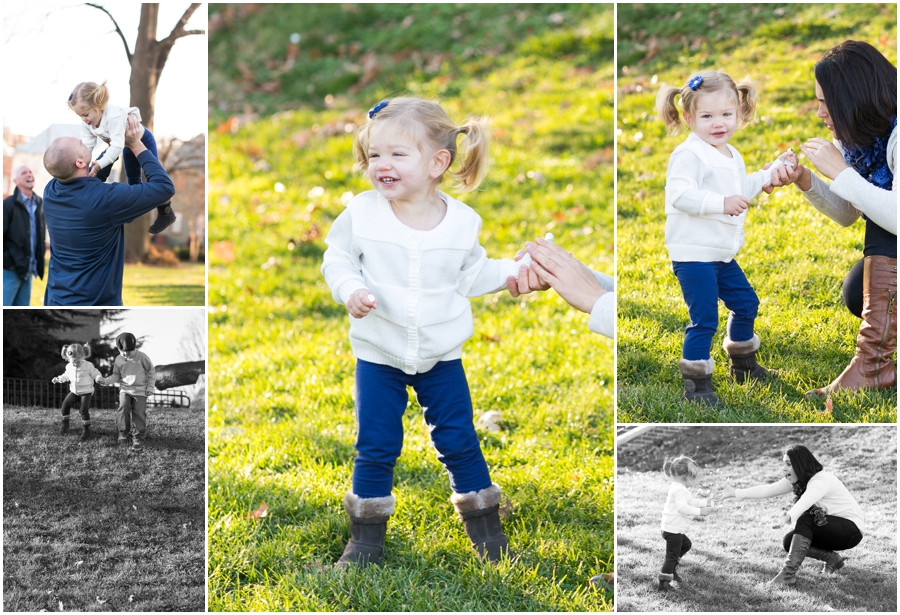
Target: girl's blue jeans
(381, 400)
(130, 161)
(702, 285)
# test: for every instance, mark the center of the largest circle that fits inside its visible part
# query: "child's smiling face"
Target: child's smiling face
(90, 116)
(714, 118)
(400, 167)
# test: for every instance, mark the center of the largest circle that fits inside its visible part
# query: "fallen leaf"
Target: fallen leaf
(224, 251)
(828, 404)
(131, 598)
(79, 563)
(99, 601)
(260, 512)
(60, 605)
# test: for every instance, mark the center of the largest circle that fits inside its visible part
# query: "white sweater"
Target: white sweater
(603, 314)
(112, 127)
(697, 181)
(824, 489)
(849, 195)
(421, 279)
(680, 506)
(81, 378)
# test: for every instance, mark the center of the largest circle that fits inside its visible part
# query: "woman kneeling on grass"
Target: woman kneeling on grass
(856, 87)
(825, 517)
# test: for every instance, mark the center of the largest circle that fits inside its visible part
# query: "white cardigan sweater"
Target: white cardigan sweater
(421, 279)
(603, 314)
(697, 181)
(679, 508)
(849, 195)
(112, 127)
(824, 489)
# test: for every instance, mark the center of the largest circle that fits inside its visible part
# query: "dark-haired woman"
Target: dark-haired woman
(825, 517)
(856, 87)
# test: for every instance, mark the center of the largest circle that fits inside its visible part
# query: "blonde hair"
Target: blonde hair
(89, 95)
(427, 120)
(680, 467)
(710, 81)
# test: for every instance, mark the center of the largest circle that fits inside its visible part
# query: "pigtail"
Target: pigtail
(87, 351)
(667, 111)
(90, 95)
(361, 148)
(63, 352)
(667, 466)
(101, 96)
(474, 152)
(747, 100)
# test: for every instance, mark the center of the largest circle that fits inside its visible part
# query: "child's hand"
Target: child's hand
(361, 303)
(736, 204)
(706, 511)
(55, 380)
(94, 169)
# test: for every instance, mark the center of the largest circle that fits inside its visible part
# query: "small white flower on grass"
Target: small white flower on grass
(131, 598)
(134, 507)
(79, 563)
(100, 601)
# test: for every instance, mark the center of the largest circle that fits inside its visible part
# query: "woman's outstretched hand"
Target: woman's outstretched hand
(785, 176)
(565, 274)
(825, 157)
(727, 492)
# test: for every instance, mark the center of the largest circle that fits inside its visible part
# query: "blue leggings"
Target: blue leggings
(703, 284)
(132, 166)
(381, 400)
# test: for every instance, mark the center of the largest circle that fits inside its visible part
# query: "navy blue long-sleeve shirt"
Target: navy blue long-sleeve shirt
(85, 220)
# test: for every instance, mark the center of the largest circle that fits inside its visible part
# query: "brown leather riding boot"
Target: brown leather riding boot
(872, 366)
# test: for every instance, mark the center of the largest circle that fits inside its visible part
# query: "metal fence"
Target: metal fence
(20, 392)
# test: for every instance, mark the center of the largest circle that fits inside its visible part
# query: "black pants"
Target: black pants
(838, 534)
(70, 400)
(676, 546)
(878, 242)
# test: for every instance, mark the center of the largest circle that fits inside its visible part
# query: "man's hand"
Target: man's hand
(133, 133)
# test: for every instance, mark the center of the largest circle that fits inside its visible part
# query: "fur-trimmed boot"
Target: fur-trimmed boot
(788, 575)
(85, 431)
(368, 526)
(698, 381)
(64, 428)
(665, 582)
(164, 219)
(872, 366)
(743, 360)
(480, 513)
(833, 561)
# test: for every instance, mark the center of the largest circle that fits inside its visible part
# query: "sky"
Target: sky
(164, 329)
(49, 47)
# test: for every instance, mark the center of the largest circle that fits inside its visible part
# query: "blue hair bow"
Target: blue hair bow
(695, 83)
(374, 110)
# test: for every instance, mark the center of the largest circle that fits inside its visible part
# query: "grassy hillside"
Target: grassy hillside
(795, 257)
(281, 426)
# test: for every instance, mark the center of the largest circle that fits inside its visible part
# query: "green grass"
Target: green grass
(144, 285)
(281, 425)
(735, 550)
(795, 257)
(90, 522)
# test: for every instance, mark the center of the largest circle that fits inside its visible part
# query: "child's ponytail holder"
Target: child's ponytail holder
(70, 96)
(695, 83)
(374, 110)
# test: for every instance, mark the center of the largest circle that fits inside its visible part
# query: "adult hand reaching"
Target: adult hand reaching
(726, 493)
(527, 281)
(825, 157)
(785, 176)
(781, 522)
(565, 274)
(133, 133)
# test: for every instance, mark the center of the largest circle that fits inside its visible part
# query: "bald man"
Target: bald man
(86, 218)
(23, 239)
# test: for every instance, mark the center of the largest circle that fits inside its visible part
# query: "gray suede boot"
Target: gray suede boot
(368, 526)
(833, 561)
(480, 513)
(743, 360)
(665, 582)
(698, 381)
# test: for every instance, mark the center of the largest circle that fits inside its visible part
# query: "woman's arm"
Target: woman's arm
(764, 491)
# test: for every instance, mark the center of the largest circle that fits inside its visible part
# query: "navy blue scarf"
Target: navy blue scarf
(871, 162)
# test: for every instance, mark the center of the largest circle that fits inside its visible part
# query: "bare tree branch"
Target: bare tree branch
(178, 31)
(118, 30)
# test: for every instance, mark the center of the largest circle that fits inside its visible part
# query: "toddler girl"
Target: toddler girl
(676, 517)
(80, 375)
(404, 259)
(108, 122)
(707, 193)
